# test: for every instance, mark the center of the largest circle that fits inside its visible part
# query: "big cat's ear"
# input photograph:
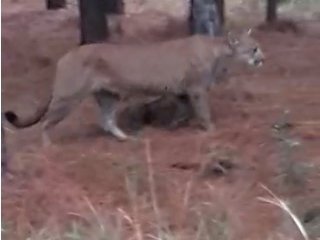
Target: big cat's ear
(249, 31)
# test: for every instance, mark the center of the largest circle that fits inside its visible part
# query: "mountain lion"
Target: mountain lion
(118, 75)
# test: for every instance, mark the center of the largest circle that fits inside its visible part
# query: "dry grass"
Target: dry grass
(276, 201)
(292, 172)
(211, 222)
(117, 224)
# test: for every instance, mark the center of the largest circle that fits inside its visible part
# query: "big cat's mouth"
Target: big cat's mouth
(258, 63)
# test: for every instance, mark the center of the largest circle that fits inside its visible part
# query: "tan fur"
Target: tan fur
(119, 74)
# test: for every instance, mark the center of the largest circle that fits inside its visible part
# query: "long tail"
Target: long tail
(30, 120)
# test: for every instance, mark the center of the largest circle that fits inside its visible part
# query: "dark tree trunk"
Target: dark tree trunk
(93, 23)
(221, 9)
(113, 6)
(206, 17)
(55, 4)
(271, 11)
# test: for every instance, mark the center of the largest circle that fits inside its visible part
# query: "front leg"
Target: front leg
(200, 103)
(109, 106)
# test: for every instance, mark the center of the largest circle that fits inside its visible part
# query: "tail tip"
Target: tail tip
(10, 116)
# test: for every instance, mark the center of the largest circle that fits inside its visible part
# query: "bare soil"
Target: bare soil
(49, 188)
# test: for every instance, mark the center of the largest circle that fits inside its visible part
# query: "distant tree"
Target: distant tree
(113, 6)
(55, 4)
(221, 9)
(206, 17)
(271, 11)
(93, 22)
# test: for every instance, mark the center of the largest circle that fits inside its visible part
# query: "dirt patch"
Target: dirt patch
(283, 26)
(87, 176)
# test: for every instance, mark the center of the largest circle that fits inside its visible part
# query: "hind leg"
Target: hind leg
(58, 110)
(109, 106)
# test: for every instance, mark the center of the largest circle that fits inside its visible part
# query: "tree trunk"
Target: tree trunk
(113, 6)
(221, 9)
(55, 4)
(271, 11)
(206, 17)
(93, 23)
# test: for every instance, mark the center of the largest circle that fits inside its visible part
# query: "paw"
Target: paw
(211, 127)
(118, 134)
(208, 127)
(122, 138)
(49, 144)
(134, 138)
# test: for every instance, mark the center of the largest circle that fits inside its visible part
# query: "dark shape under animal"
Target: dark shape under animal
(169, 112)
